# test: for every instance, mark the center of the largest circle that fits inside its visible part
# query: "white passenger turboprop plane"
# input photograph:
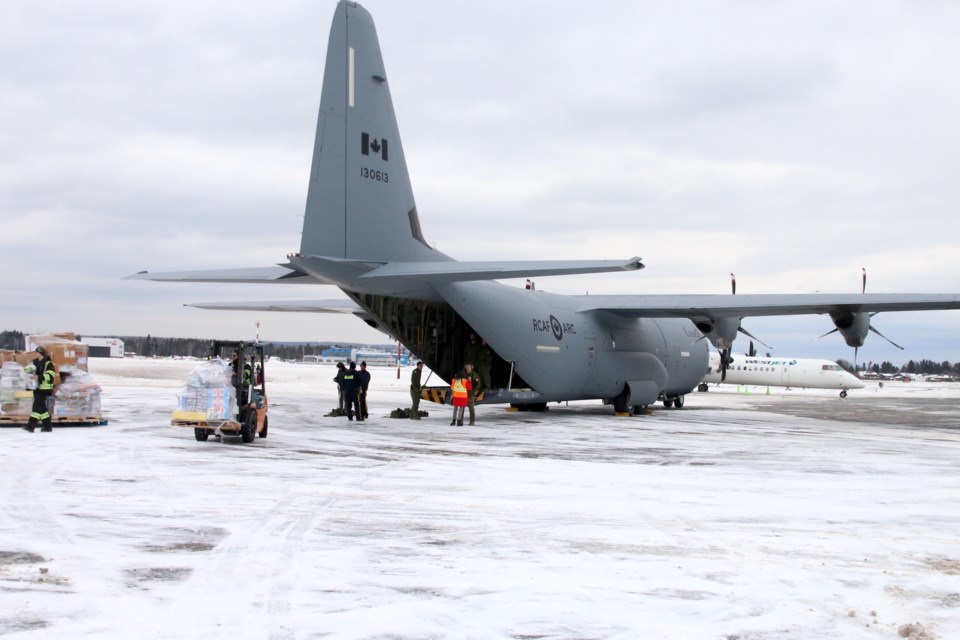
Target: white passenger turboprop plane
(362, 234)
(781, 372)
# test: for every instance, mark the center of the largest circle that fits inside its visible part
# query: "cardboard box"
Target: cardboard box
(63, 351)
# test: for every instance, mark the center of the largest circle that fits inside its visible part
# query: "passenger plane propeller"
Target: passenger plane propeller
(362, 233)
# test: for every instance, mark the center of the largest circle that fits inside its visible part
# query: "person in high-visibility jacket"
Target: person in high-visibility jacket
(45, 371)
(460, 388)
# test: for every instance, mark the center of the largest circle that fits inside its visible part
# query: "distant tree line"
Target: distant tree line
(924, 367)
(151, 346)
(12, 340)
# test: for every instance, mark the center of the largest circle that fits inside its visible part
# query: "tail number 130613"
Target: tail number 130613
(376, 175)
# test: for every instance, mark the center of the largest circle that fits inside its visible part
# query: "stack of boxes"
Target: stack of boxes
(77, 395)
(63, 348)
(208, 394)
(16, 398)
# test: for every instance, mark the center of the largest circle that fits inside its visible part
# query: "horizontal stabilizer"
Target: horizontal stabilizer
(295, 306)
(252, 275)
(445, 272)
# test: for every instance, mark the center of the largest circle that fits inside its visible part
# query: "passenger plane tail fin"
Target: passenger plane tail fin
(360, 203)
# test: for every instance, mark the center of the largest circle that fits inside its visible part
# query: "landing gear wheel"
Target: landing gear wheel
(639, 409)
(703, 387)
(678, 402)
(201, 435)
(620, 403)
(843, 394)
(668, 403)
(263, 434)
(248, 430)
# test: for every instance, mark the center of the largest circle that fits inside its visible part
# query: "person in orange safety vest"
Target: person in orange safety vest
(460, 387)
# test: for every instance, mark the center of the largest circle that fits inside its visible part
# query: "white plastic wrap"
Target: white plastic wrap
(78, 395)
(14, 385)
(208, 390)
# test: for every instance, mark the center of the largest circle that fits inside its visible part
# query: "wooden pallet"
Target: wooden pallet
(7, 420)
(223, 425)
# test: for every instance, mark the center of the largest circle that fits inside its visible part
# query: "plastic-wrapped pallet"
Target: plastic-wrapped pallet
(208, 391)
(78, 395)
(16, 397)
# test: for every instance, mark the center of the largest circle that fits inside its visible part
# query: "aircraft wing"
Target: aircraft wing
(743, 306)
(276, 274)
(294, 306)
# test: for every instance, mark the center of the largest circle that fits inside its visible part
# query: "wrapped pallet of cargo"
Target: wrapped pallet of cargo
(77, 397)
(75, 401)
(16, 394)
(206, 401)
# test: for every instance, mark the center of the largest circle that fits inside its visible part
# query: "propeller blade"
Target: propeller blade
(733, 284)
(828, 333)
(855, 350)
(724, 363)
(864, 271)
(886, 338)
(753, 352)
(747, 333)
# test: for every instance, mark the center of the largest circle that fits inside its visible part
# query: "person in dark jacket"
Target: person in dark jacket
(415, 387)
(339, 380)
(45, 371)
(363, 376)
(242, 380)
(351, 392)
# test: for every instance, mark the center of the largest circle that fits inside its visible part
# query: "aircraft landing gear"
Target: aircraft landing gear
(674, 402)
(620, 403)
(703, 387)
(843, 394)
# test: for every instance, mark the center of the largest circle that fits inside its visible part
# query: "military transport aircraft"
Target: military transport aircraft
(362, 233)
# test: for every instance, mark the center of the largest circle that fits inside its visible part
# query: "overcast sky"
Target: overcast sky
(789, 142)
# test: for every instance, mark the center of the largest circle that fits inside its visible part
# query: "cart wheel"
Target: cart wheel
(248, 429)
(263, 434)
(201, 435)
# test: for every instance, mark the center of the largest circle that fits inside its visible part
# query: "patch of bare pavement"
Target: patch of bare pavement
(919, 413)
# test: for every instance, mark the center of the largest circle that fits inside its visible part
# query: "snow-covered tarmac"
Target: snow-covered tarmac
(793, 515)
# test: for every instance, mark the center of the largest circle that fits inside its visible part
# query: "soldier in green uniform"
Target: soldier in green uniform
(474, 379)
(415, 387)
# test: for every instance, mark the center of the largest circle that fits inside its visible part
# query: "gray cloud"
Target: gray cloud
(790, 142)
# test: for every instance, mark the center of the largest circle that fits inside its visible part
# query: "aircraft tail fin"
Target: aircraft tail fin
(359, 203)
